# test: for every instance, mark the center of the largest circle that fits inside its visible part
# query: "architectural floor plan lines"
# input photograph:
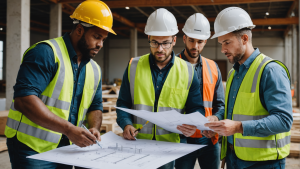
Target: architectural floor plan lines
(116, 152)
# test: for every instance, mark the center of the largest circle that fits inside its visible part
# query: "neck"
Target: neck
(161, 65)
(74, 41)
(249, 50)
(191, 59)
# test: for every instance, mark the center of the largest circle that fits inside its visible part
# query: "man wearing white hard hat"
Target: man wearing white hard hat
(158, 81)
(196, 32)
(258, 102)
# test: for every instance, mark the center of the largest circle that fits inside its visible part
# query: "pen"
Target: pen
(139, 129)
(89, 131)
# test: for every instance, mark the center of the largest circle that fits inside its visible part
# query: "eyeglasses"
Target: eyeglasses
(164, 45)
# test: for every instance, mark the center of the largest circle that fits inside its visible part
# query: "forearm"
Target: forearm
(36, 111)
(270, 125)
(94, 119)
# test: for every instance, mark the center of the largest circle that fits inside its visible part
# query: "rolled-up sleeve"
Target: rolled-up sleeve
(124, 101)
(275, 94)
(36, 71)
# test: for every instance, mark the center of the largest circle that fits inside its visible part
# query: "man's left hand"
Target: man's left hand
(96, 133)
(187, 130)
(226, 127)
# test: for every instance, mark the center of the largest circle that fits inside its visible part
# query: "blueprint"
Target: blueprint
(169, 120)
(116, 153)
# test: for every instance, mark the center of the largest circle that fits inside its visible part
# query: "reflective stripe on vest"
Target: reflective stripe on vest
(249, 107)
(209, 79)
(148, 129)
(33, 131)
(57, 98)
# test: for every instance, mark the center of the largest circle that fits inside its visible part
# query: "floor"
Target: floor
(291, 163)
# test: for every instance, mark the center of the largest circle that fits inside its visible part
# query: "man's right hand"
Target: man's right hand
(129, 132)
(81, 137)
(208, 133)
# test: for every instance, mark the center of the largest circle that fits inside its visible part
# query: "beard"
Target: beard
(237, 56)
(164, 59)
(84, 48)
(190, 54)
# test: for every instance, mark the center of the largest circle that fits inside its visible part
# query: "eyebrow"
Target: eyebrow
(224, 41)
(162, 42)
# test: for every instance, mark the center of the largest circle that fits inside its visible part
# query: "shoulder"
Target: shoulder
(41, 52)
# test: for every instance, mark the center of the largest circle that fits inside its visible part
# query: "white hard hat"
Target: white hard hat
(197, 26)
(161, 23)
(231, 19)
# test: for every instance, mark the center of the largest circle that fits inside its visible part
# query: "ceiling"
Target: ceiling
(282, 13)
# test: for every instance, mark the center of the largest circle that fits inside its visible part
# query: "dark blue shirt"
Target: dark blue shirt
(275, 96)
(38, 69)
(194, 101)
(218, 100)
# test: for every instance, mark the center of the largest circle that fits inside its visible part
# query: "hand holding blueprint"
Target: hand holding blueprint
(169, 120)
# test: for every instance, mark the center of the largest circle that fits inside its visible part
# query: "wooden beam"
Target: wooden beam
(276, 21)
(267, 30)
(292, 8)
(149, 3)
(39, 23)
(126, 21)
(141, 11)
(68, 9)
(197, 9)
(32, 28)
(176, 10)
(122, 34)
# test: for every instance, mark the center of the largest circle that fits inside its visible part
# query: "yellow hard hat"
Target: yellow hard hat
(94, 12)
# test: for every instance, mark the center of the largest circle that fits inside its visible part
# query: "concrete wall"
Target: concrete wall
(119, 53)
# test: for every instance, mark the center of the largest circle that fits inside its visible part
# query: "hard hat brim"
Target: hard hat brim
(159, 33)
(219, 34)
(197, 36)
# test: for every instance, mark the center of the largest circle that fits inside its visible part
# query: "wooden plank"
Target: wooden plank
(295, 136)
(295, 150)
(3, 146)
(3, 119)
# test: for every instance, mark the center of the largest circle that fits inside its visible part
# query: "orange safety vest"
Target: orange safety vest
(209, 77)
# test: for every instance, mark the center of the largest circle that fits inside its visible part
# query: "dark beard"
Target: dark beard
(167, 54)
(190, 55)
(84, 49)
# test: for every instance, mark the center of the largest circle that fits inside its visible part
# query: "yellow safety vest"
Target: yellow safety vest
(173, 95)
(57, 97)
(249, 107)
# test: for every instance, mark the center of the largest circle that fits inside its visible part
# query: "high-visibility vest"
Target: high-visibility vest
(173, 95)
(249, 107)
(210, 78)
(57, 97)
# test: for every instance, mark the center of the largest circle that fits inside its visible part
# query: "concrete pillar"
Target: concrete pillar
(105, 78)
(55, 20)
(17, 41)
(133, 43)
(295, 79)
(288, 51)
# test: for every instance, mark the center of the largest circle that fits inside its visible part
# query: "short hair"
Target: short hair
(241, 32)
(84, 28)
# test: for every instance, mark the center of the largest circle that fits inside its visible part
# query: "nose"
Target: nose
(223, 50)
(100, 44)
(160, 48)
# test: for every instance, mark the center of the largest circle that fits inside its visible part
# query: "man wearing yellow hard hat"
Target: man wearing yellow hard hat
(58, 90)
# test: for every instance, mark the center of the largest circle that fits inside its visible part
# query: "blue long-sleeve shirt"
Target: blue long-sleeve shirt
(194, 101)
(218, 99)
(38, 69)
(275, 96)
